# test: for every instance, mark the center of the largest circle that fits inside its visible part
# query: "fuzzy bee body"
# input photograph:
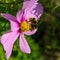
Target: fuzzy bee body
(34, 23)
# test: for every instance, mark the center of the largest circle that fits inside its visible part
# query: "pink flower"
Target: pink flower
(22, 24)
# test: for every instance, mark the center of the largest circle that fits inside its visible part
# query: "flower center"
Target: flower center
(24, 26)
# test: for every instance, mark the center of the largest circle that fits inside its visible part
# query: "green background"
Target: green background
(45, 44)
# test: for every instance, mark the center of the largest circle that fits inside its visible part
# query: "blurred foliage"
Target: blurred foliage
(45, 44)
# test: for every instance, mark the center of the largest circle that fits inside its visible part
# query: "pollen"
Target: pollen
(24, 26)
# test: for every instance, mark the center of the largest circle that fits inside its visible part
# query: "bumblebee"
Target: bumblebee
(33, 24)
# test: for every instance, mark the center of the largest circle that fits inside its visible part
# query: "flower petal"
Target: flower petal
(35, 11)
(19, 15)
(30, 0)
(14, 26)
(9, 17)
(38, 10)
(31, 32)
(28, 4)
(12, 20)
(7, 41)
(24, 45)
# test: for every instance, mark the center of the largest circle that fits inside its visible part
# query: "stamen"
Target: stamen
(25, 26)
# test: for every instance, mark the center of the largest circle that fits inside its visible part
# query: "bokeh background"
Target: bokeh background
(45, 44)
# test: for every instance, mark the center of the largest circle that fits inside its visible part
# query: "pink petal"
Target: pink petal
(30, 0)
(28, 4)
(24, 45)
(9, 17)
(30, 32)
(19, 15)
(34, 11)
(25, 4)
(14, 26)
(12, 20)
(7, 41)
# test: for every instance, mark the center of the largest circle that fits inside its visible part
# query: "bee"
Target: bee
(33, 24)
